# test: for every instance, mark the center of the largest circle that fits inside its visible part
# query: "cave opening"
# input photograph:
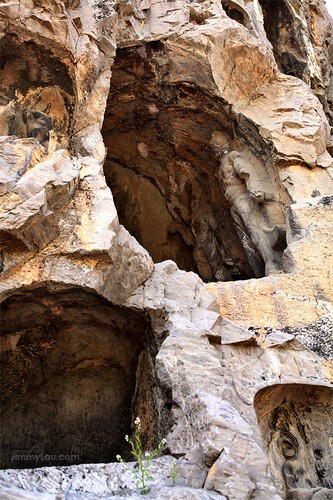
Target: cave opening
(75, 373)
(161, 168)
(295, 421)
(285, 38)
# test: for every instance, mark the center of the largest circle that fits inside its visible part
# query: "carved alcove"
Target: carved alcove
(161, 166)
(33, 77)
(75, 372)
(295, 421)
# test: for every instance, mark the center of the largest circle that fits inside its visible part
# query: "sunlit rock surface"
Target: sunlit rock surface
(166, 232)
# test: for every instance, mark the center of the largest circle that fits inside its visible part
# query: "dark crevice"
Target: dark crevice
(288, 35)
(285, 37)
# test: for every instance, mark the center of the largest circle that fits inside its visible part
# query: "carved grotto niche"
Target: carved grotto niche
(33, 78)
(75, 372)
(296, 424)
(161, 168)
(254, 205)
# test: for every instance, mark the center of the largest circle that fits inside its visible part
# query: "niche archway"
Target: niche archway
(162, 110)
(32, 76)
(295, 421)
(75, 372)
(160, 165)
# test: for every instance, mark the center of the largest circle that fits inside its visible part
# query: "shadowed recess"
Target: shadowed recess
(288, 25)
(75, 372)
(236, 13)
(161, 168)
(286, 39)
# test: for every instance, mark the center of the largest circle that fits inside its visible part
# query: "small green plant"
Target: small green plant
(174, 472)
(144, 459)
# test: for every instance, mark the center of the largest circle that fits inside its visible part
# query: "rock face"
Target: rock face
(166, 239)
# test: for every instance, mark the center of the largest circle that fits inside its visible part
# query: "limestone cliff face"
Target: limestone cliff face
(166, 231)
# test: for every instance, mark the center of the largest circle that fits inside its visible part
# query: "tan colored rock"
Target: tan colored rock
(36, 191)
(305, 292)
(303, 47)
(141, 86)
(231, 478)
(294, 121)
(303, 184)
(91, 248)
(279, 301)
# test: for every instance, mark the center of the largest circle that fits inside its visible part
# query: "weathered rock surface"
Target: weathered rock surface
(304, 294)
(111, 480)
(118, 202)
(34, 190)
(301, 44)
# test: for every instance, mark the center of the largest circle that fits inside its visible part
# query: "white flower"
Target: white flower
(137, 421)
(126, 437)
(118, 457)
(147, 454)
(163, 441)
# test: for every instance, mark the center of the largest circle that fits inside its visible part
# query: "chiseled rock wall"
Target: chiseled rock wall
(232, 373)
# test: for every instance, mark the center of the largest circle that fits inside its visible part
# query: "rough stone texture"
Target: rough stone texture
(317, 336)
(304, 294)
(34, 191)
(301, 44)
(299, 458)
(105, 480)
(158, 493)
(235, 374)
(231, 478)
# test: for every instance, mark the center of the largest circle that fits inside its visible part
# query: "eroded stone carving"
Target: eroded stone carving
(24, 122)
(282, 117)
(252, 205)
(298, 483)
(295, 418)
(161, 185)
(33, 183)
(31, 123)
(323, 468)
